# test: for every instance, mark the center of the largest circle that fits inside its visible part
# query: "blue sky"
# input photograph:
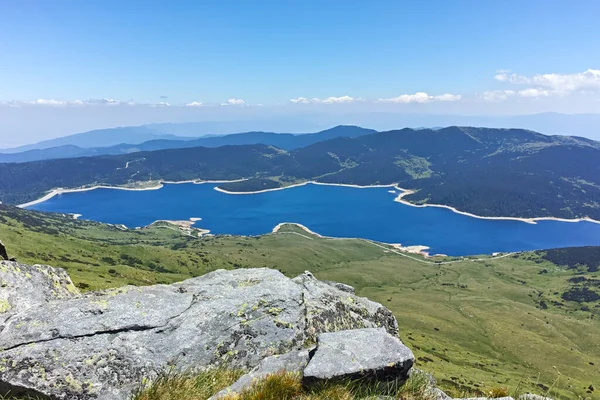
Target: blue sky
(465, 57)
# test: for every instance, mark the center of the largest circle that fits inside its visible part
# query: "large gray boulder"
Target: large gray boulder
(370, 353)
(23, 287)
(101, 345)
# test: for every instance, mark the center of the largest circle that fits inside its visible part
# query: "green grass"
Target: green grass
(475, 325)
(187, 386)
(279, 386)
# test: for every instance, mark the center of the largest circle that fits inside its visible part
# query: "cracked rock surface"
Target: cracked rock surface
(56, 343)
(28, 286)
(366, 354)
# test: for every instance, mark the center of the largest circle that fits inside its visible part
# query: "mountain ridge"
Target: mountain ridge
(286, 141)
(486, 172)
(97, 137)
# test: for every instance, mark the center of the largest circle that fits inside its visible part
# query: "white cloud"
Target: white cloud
(421, 97)
(448, 97)
(234, 102)
(342, 99)
(328, 100)
(533, 92)
(50, 102)
(301, 100)
(553, 83)
(194, 104)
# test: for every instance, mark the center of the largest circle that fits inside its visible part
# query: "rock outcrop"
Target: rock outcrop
(23, 287)
(357, 354)
(57, 343)
(366, 354)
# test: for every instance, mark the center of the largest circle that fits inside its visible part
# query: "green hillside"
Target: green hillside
(489, 172)
(516, 321)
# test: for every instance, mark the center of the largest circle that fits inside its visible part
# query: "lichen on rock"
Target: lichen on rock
(58, 343)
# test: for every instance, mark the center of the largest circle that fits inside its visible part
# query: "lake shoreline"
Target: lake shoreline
(400, 198)
(414, 249)
(405, 192)
(156, 186)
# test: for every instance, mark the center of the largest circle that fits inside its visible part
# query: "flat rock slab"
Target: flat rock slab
(369, 353)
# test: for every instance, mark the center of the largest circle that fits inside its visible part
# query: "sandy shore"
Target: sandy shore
(412, 249)
(59, 191)
(186, 226)
(218, 189)
(406, 192)
(155, 186)
(304, 184)
(304, 228)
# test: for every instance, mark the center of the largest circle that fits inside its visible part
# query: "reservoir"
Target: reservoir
(336, 211)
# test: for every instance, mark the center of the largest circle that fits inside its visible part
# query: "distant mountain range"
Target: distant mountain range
(489, 172)
(98, 138)
(137, 140)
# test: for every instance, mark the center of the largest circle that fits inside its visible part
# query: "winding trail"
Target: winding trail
(132, 161)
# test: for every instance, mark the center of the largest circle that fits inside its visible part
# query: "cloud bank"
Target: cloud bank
(517, 86)
(328, 100)
(544, 85)
(421, 97)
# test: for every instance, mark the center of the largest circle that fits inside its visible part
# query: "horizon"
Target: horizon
(74, 67)
(545, 123)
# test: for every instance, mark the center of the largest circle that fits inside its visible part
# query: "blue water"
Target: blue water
(329, 210)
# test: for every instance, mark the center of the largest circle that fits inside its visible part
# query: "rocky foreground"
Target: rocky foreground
(60, 344)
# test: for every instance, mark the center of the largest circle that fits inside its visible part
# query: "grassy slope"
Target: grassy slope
(474, 324)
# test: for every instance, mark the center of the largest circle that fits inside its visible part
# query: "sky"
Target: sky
(63, 63)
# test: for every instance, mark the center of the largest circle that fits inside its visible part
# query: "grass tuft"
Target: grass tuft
(279, 386)
(497, 392)
(172, 385)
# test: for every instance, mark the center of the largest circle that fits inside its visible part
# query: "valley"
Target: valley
(474, 324)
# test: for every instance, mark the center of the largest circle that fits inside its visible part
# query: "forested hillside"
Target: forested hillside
(490, 172)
